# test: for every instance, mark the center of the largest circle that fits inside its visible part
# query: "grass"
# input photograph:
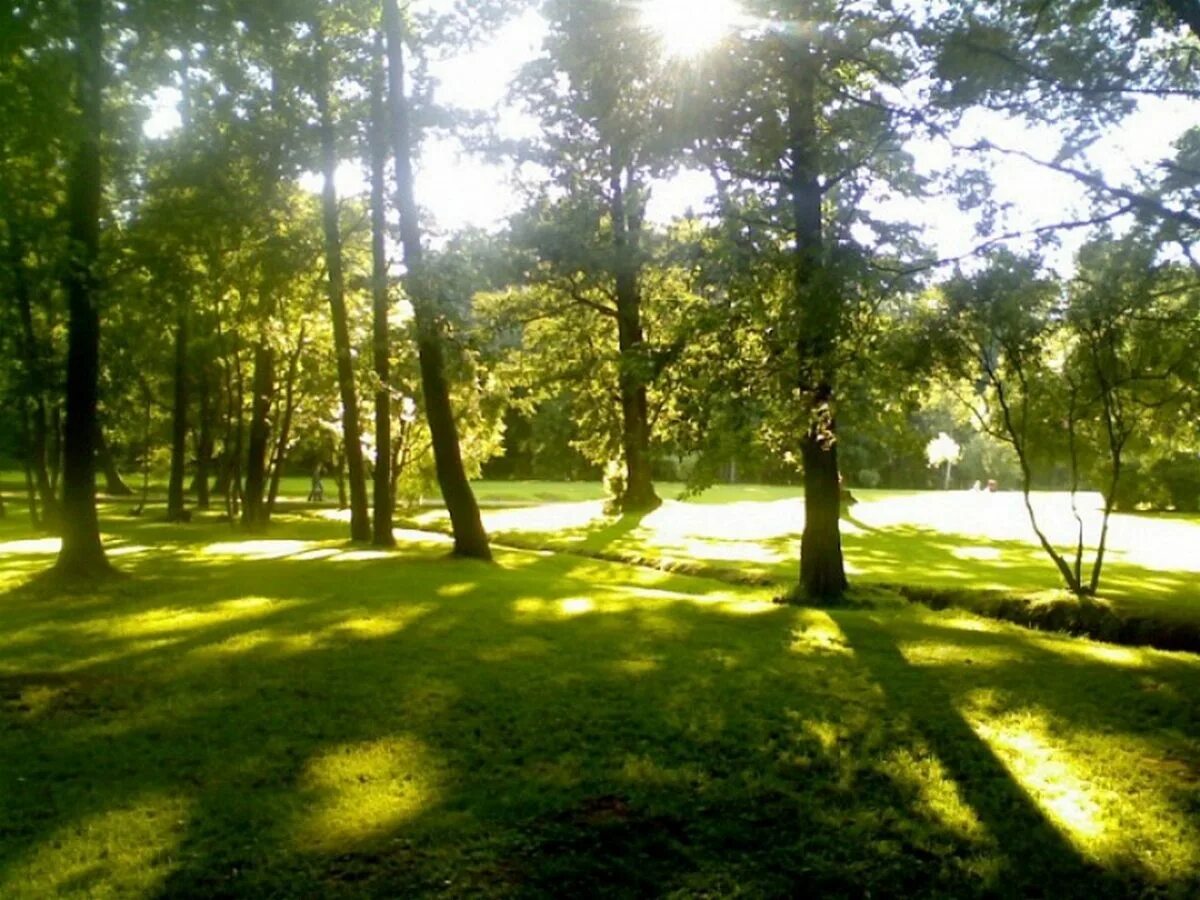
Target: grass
(289, 716)
(942, 540)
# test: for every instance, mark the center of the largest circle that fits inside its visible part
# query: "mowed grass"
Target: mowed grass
(966, 540)
(289, 716)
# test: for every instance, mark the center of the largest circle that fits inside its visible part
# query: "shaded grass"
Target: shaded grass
(290, 716)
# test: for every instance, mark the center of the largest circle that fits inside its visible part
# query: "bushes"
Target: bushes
(1178, 478)
(1172, 481)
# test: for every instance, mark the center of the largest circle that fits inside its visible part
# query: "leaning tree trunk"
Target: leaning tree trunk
(255, 514)
(818, 307)
(285, 423)
(82, 553)
(360, 516)
(114, 484)
(382, 534)
(639, 495)
(469, 537)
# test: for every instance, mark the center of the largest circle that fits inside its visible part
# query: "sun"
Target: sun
(690, 27)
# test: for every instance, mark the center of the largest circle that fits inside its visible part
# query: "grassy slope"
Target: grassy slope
(290, 717)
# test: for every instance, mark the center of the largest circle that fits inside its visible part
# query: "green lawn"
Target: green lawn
(288, 716)
(946, 540)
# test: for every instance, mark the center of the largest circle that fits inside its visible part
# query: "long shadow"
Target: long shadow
(1040, 860)
(621, 753)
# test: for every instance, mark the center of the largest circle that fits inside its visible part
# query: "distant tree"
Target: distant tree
(943, 451)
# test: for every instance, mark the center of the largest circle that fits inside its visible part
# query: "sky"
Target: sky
(462, 191)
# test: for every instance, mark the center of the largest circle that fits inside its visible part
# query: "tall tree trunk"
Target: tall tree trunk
(179, 412)
(360, 516)
(179, 419)
(469, 537)
(382, 524)
(256, 514)
(818, 308)
(82, 553)
(639, 493)
(114, 484)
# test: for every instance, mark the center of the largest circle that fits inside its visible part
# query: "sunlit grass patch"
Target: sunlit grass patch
(353, 793)
(126, 851)
(322, 723)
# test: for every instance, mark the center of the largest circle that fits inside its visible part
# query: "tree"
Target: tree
(82, 553)
(384, 497)
(797, 136)
(1071, 375)
(469, 537)
(603, 96)
(360, 520)
(943, 450)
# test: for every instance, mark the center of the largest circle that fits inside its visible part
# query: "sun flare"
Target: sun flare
(689, 27)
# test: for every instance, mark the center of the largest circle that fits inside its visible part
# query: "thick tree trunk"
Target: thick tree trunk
(381, 526)
(360, 516)
(82, 553)
(639, 493)
(114, 484)
(818, 308)
(469, 537)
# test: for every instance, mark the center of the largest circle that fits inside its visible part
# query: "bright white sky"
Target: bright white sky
(461, 190)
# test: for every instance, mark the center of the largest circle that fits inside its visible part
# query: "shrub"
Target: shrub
(1178, 477)
(869, 478)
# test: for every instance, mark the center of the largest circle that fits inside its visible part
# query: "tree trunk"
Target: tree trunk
(382, 524)
(469, 537)
(37, 445)
(82, 553)
(179, 412)
(30, 489)
(114, 484)
(179, 423)
(360, 517)
(255, 515)
(639, 493)
(285, 424)
(818, 315)
(204, 446)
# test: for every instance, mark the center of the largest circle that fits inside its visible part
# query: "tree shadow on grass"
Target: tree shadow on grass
(408, 727)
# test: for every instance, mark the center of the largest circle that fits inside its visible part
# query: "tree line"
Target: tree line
(184, 301)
